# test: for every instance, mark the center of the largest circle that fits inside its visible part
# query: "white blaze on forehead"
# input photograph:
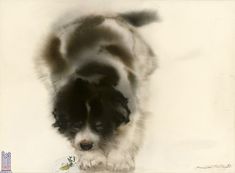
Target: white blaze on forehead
(86, 134)
(88, 107)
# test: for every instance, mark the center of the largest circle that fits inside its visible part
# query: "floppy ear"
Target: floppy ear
(124, 112)
(139, 18)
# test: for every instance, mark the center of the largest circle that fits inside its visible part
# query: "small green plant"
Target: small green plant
(69, 164)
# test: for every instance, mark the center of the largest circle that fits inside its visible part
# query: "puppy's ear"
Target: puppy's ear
(61, 121)
(123, 112)
(140, 18)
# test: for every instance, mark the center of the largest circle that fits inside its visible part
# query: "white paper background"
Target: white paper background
(193, 90)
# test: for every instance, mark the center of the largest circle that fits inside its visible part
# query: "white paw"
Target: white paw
(120, 161)
(91, 160)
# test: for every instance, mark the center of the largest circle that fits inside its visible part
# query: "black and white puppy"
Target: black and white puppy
(97, 69)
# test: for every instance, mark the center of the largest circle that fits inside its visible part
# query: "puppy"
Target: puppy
(97, 69)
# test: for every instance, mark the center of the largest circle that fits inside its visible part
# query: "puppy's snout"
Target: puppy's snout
(86, 145)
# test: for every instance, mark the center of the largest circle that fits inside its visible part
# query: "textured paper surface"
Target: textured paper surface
(193, 90)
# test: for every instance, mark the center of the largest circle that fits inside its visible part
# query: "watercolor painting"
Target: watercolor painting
(117, 86)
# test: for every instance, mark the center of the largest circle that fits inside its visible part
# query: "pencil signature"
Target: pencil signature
(215, 166)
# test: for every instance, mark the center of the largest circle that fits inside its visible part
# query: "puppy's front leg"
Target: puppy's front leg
(91, 160)
(120, 160)
(121, 156)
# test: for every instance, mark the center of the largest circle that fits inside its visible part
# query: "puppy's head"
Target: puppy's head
(88, 114)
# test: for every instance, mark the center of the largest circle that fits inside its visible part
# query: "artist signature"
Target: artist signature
(223, 166)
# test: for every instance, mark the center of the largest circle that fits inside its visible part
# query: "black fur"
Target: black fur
(107, 106)
(108, 73)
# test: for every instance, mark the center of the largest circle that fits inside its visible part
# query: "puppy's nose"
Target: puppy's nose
(86, 145)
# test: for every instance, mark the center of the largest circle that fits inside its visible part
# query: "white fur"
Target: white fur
(94, 159)
(86, 135)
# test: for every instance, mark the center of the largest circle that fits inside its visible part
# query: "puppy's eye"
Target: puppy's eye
(78, 125)
(99, 126)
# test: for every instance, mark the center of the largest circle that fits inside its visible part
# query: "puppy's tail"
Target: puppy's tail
(140, 18)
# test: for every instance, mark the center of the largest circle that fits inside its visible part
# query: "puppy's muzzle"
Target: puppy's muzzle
(86, 145)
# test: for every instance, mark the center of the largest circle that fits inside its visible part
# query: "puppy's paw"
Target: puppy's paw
(91, 160)
(120, 161)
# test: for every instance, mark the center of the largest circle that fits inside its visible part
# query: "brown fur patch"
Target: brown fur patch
(52, 55)
(88, 33)
(109, 74)
(123, 54)
(132, 79)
